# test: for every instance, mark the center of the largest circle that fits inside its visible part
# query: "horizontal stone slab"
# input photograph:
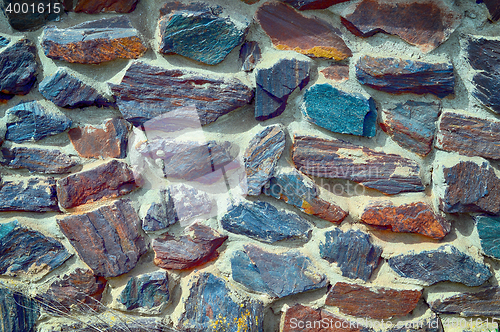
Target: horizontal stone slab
(99, 6)
(312, 4)
(38, 160)
(483, 302)
(31, 195)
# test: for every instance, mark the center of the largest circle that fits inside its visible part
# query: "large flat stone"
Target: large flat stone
(483, 302)
(99, 6)
(147, 291)
(250, 55)
(19, 312)
(31, 19)
(312, 4)
(37, 160)
(488, 228)
(32, 195)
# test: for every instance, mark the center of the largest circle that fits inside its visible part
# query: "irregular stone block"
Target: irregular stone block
(494, 9)
(188, 251)
(488, 228)
(106, 141)
(37, 160)
(446, 263)
(111, 244)
(312, 4)
(111, 179)
(249, 55)
(353, 252)
(336, 159)
(263, 222)
(483, 302)
(412, 125)
(190, 202)
(99, 6)
(336, 72)
(31, 121)
(4, 41)
(398, 76)
(431, 324)
(340, 111)
(32, 195)
(161, 213)
(94, 41)
(277, 275)
(147, 91)
(19, 313)
(290, 30)
(276, 83)
(407, 218)
(148, 291)
(32, 18)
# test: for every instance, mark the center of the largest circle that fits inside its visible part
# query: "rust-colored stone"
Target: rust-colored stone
(336, 72)
(98, 6)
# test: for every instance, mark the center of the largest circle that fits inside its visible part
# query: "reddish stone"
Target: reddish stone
(312, 4)
(250, 2)
(98, 6)
(336, 72)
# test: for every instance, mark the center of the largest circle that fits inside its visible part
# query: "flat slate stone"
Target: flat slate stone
(99, 6)
(398, 76)
(407, 218)
(32, 195)
(148, 291)
(147, 91)
(210, 307)
(336, 72)
(27, 252)
(312, 4)
(276, 83)
(290, 30)
(112, 179)
(19, 312)
(340, 111)
(31, 121)
(446, 263)
(483, 302)
(277, 275)
(32, 19)
(412, 125)
(494, 9)
(488, 228)
(188, 251)
(94, 42)
(37, 160)
(160, 213)
(263, 222)
(353, 252)
(111, 244)
(249, 55)
(336, 159)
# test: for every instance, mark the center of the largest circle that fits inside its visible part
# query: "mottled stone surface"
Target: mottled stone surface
(494, 9)
(106, 141)
(483, 302)
(290, 30)
(94, 41)
(340, 111)
(312, 4)
(488, 228)
(353, 252)
(188, 251)
(249, 55)
(19, 312)
(276, 83)
(147, 91)
(161, 213)
(388, 173)
(134, 325)
(148, 291)
(37, 160)
(336, 72)
(111, 244)
(31, 19)
(4, 41)
(99, 6)
(446, 263)
(31, 195)
(431, 324)
(412, 125)
(393, 75)
(277, 275)
(111, 179)
(190, 202)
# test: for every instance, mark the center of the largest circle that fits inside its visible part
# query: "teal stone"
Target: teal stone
(149, 291)
(18, 312)
(340, 111)
(488, 228)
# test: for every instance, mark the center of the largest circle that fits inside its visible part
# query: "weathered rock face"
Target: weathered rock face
(446, 263)
(312, 4)
(290, 30)
(408, 218)
(336, 72)
(489, 233)
(431, 324)
(189, 250)
(482, 303)
(147, 291)
(111, 244)
(494, 9)
(353, 252)
(20, 313)
(32, 195)
(263, 222)
(249, 55)
(4, 41)
(340, 111)
(397, 76)
(135, 325)
(190, 202)
(98, 6)
(161, 213)
(388, 173)
(277, 275)
(37, 160)
(94, 42)
(147, 91)
(31, 19)
(426, 24)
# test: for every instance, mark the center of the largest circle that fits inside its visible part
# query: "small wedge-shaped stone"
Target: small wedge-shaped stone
(112, 179)
(27, 252)
(494, 9)
(249, 55)
(353, 252)
(147, 91)
(19, 312)
(340, 111)
(146, 291)
(37, 160)
(98, 6)
(398, 76)
(408, 218)
(336, 159)
(94, 42)
(483, 302)
(377, 303)
(188, 251)
(261, 157)
(488, 228)
(31, 121)
(446, 263)
(161, 213)
(290, 30)
(277, 275)
(31, 17)
(312, 4)
(32, 195)
(106, 239)
(263, 222)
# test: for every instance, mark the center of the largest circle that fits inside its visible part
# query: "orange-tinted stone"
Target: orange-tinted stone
(97, 6)
(336, 72)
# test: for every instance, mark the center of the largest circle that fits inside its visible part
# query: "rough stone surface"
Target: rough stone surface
(336, 72)
(488, 228)
(277, 275)
(161, 213)
(312, 4)
(31, 195)
(31, 19)
(388, 173)
(483, 302)
(37, 160)
(398, 76)
(19, 312)
(340, 111)
(94, 41)
(290, 30)
(190, 202)
(353, 252)
(446, 263)
(4, 41)
(111, 244)
(148, 291)
(249, 55)
(432, 324)
(99, 6)
(134, 325)
(147, 91)
(494, 9)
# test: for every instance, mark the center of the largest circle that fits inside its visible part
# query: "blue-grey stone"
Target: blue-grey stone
(146, 291)
(32, 195)
(160, 214)
(4, 41)
(488, 228)
(32, 18)
(37, 160)
(19, 313)
(340, 111)
(263, 222)
(249, 55)
(446, 263)
(353, 252)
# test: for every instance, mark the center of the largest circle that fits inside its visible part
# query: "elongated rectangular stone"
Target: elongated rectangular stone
(483, 302)
(38, 160)
(32, 195)
(98, 6)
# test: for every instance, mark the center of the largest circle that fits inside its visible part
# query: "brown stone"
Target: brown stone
(336, 72)
(250, 2)
(494, 9)
(290, 30)
(98, 6)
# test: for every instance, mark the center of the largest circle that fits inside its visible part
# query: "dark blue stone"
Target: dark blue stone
(488, 228)
(33, 195)
(31, 19)
(37, 160)
(4, 41)
(160, 214)
(18, 312)
(147, 291)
